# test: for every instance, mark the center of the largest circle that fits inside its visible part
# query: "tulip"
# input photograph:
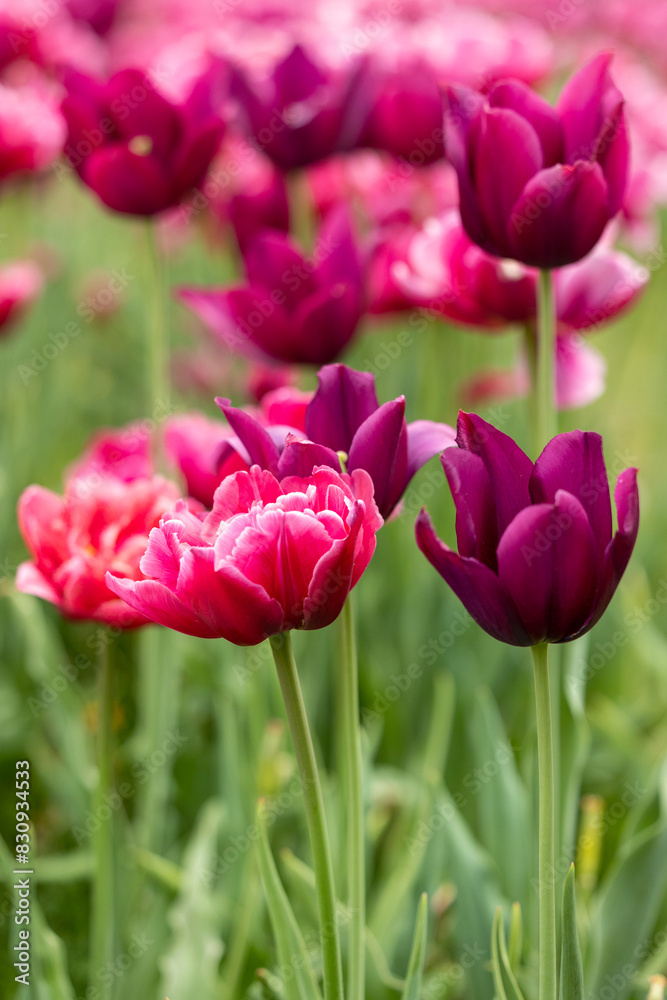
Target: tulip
(137, 150)
(406, 115)
(32, 129)
(75, 539)
(344, 419)
(304, 111)
(271, 556)
(539, 184)
(20, 284)
(537, 561)
(292, 308)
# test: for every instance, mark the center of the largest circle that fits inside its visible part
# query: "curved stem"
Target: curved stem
(159, 388)
(546, 881)
(356, 879)
(103, 908)
(545, 386)
(288, 677)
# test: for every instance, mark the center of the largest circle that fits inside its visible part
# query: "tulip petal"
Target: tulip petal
(160, 605)
(194, 157)
(380, 446)
(147, 115)
(236, 494)
(426, 438)
(230, 604)
(324, 323)
(476, 524)
(462, 107)
(332, 577)
(300, 458)
(272, 261)
(575, 462)
(516, 96)
(483, 595)
(30, 580)
(548, 562)
(128, 182)
(559, 216)
(508, 467)
(343, 400)
(257, 441)
(507, 154)
(235, 316)
(580, 373)
(597, 288)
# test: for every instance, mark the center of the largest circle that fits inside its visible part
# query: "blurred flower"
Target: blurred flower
(344, 416)
(20, 284)
(99, 14)
(539, 184)
(270, 556)
(445, 272)
(140, 152)
(537, 561)
(32, 129)
(293, 308)
(75, 539)
(303, 111)
(406, 115)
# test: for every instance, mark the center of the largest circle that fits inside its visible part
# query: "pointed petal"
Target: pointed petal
(483, 595)
(260, 447)
(426, 438)
(380, 446)
(548, 562)
(508, 467)
(462, 109)
(559, 216)
(516, 96)
(476, 522)
(343, 400)
(575, 462)
(236, 494)
(300, 458)
(128, 182)
(160, 605)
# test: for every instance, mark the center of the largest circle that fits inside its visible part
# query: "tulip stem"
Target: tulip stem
(356, 849)
(159, 388)
(103, 909)
(281, 646)
(546, 834)
(545, 386)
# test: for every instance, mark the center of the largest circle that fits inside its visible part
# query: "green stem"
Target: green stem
(159, 387)
(356, 878)
(103, 909)
(546, 881)
(545, 386)
(288, 677)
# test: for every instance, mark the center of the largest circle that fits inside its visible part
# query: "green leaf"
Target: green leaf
(413, 980)
(571, 968)
(290, 945)
(629, 905)
(504, 979)
(516, 936)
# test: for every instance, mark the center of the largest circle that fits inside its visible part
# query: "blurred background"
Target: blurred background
(449, 743)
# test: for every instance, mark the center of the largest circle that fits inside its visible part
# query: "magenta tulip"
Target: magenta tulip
(304, 111)
(270, 556)
(32, 129)
(20, 284)
(140, 152)
(293, 308)
(537, 559)
(539, 184)
(406, 115)
(75, 539)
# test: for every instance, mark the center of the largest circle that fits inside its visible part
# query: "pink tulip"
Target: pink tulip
(20, 284)
(32, 129)
(269, 557)
(74, 540)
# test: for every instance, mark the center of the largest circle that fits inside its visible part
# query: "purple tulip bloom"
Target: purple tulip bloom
(406, 116)
(537, 561)
(539, 184)
(344, 416)
(138, 151)
(304, 111)
(293, 308)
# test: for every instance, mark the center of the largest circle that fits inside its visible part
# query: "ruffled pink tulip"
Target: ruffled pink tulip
(270, 556)
(32, 129)
(76, 539)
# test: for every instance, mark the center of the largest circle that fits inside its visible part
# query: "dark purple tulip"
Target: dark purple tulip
(139, 152)
(293, 308)
(539, 184)
(304, 111)
(406, 116)
(344, 416)
(537, 561)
